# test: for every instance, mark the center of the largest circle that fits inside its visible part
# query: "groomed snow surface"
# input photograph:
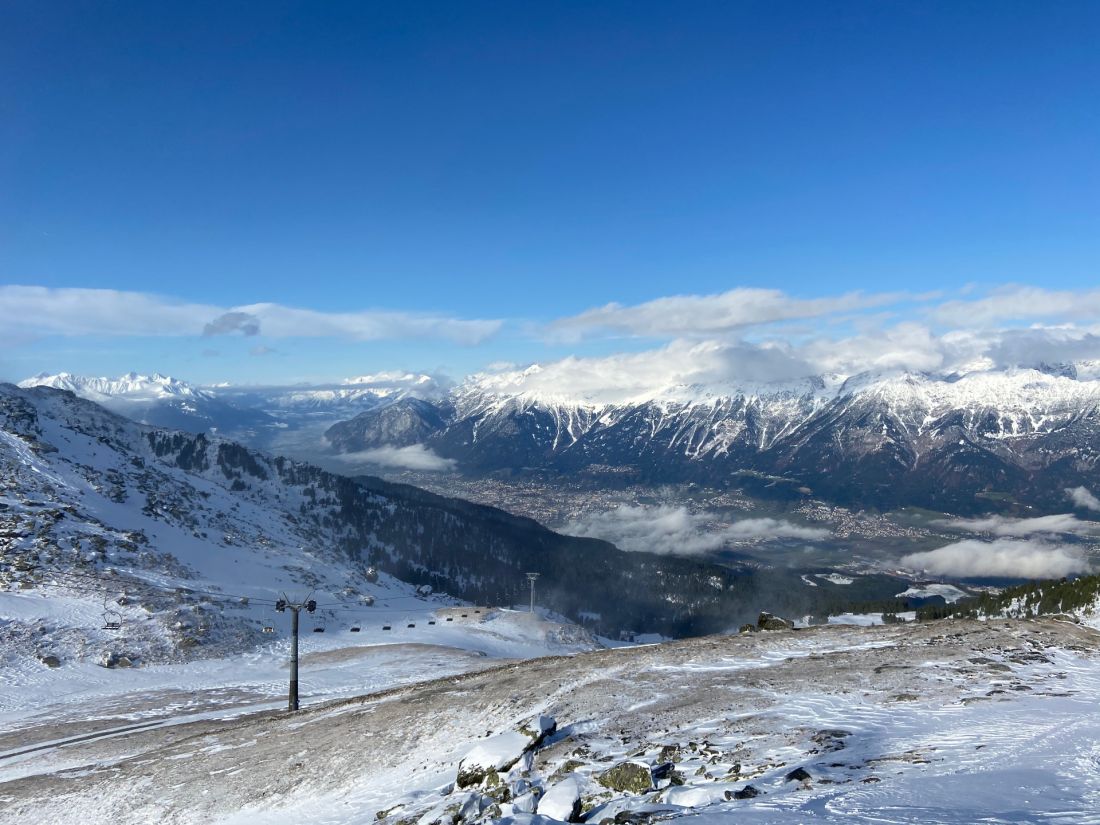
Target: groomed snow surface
(946, 722)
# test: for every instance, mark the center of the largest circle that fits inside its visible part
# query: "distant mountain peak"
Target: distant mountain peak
(131, 386)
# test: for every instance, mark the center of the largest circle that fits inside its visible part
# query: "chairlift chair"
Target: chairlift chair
(112, 619)
(269, 624)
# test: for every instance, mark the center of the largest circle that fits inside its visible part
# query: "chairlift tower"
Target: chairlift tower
(281, 606)
(531, 578)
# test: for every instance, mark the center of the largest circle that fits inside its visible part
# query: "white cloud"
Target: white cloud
(1003, 526)
(954, 336)
(1019, 303)
(413, 457)
(906, 346)
(676, 531)
(1083, 498)
(288, 322)
(73, 312)
(682, 316)
(633, 376)
(1003, 558)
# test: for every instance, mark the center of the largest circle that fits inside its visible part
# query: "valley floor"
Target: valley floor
(952, 722)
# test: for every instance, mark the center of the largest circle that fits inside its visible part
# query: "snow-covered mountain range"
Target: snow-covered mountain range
(255, 415)
(962, 442)
(952, 442)
(93, 501)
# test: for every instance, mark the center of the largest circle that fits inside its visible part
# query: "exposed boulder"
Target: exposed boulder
(499, 753)
(538, 729)
(562, 800)
(629, 777)
(798, 775)
(694, 796)
(669, 753)
(526, 803)
(747, 792)
(769, 622)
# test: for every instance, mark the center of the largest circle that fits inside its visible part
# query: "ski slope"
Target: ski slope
(947, 722)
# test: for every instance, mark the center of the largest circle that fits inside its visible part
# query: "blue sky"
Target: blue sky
(523, 163)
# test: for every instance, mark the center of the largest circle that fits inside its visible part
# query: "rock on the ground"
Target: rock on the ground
(694, 797)
(497, 753)
(501, 752)
(538, 729)
(769, 622)
(631, 777)
(747, 792)
(799, 775)
(562, 800)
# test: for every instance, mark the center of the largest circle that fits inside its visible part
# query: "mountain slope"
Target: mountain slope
(946, 442)
(960, 442)
(89, 493)
(160, 401)
(945, 722)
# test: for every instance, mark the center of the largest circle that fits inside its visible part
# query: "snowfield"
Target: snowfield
(948, 722)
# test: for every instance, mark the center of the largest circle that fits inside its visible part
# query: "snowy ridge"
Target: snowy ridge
(131, 386)
(885, 438)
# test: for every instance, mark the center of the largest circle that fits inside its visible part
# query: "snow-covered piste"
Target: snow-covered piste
(945, 722)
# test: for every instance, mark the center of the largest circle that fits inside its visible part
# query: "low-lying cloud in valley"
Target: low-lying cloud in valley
(677, 531)
(1083, 498)
(1003, 558)
(1003, 526)
(413, 457)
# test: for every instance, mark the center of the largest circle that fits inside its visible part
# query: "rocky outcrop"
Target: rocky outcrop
(769, 622)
